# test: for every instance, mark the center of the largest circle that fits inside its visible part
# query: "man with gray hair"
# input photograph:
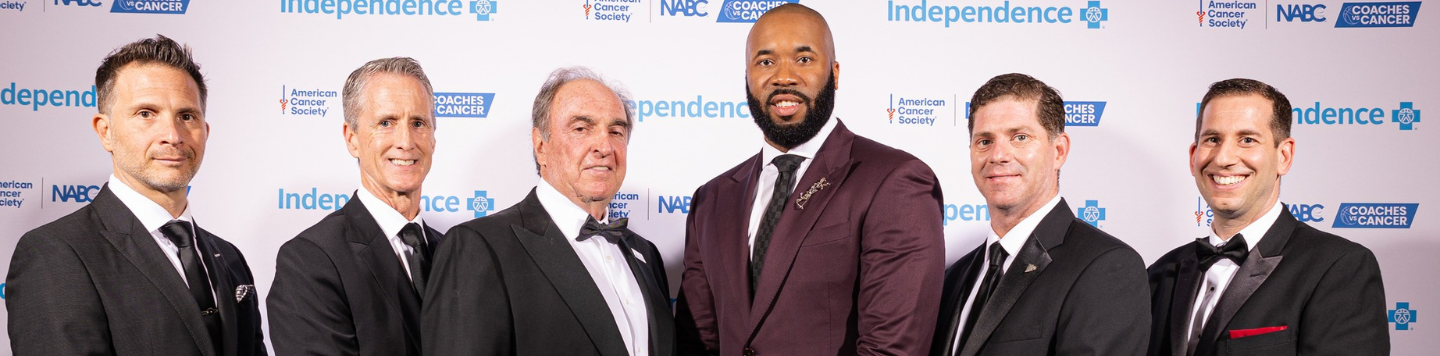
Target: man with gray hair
(555, 273)
(351, 284)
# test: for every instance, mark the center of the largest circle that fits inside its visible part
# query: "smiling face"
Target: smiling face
(155, 128)
(394, 136)
(1237, 160)
(584, 154)
(791, 74)
(1013, 160)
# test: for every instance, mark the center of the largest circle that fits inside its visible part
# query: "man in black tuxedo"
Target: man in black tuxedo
(1044, 283)
(131, 273)
(1262, 283)
(351, 284)
(555, 274)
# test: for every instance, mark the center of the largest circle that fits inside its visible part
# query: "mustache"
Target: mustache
(786, 91)
(171, 151)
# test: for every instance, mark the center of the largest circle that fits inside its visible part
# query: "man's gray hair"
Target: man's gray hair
(355, 84)
(540, 114)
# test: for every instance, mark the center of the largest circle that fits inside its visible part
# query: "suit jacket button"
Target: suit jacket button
(749, 352)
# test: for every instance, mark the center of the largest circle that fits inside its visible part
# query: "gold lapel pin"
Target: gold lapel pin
(800, 202)
(1029, 268)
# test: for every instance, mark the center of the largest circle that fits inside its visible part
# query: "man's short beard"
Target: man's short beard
(817, 114)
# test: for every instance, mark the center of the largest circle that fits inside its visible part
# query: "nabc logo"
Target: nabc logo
(79, 193)
(94, 3)
(689, 8)
(1375, 215)
(669, 204)
(1307, 212)
(1300, 12)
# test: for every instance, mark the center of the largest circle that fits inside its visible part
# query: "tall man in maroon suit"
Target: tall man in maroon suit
(1262, 282)
(823, 243)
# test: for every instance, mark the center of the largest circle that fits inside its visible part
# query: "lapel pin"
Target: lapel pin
(241, 291)
(217, 255)
(638, 256)
(1029, 268)
(804, 198)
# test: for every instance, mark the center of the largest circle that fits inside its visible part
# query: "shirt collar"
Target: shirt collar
(566, 215)
(1252, 233)
(150, 213)
(807, 149)
(390, 220)
(1023, 230)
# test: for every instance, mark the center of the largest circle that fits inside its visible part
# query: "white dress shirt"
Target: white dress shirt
(769, 173)
(391, 222)
(153, 217)
(1220, 274)
(1012, 246)
(607, 267)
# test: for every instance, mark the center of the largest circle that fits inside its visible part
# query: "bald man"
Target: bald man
(824, 242)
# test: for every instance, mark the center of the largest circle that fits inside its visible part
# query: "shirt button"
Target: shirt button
(607, 258)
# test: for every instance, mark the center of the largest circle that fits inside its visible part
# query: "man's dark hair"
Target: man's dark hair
(159, 50)
(1279, 120)
(1049, 106)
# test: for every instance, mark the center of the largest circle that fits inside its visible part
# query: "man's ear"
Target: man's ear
(101, 124)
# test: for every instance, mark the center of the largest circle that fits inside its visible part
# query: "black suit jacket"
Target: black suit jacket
(340, 290)
(95, 283)
(1085, 294)
(509, 284)
(1325, 290)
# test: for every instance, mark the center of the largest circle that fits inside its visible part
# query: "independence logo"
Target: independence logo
(150, 6)
(698, 108)
(1226, 14)
(1091, 213)
(36, 98)
(1378, 14)
(463, 104)
(1405, 117)
(966, 212)
(1376, 215)
(1402, 316)
(1092, 14)
(481, 9)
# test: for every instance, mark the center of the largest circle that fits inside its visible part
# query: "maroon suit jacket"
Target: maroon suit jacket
(858, 271)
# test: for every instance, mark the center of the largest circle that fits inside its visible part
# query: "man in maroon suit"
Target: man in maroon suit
(824, 243)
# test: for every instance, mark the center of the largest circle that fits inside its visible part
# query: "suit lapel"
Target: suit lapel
(1256, 269)
(125, 232)
(657, 305)
(1049, 234)
(1181, 302)
(832, 163)
(223, 285)
(558, 261)
(377, 258)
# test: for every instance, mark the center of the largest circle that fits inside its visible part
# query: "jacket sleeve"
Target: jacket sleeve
(902, 264)
(695, 324)
(306, 305)
(1346, 315)
(466, 311)
(1107, 311)
(54, 309)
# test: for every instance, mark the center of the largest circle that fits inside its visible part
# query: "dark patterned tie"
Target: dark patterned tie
(613, 232)
(178, 231)
(987, 287)
(786, 164)
(419, 256)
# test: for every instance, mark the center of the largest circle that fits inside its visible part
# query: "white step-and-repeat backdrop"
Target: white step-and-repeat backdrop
(1359, 75)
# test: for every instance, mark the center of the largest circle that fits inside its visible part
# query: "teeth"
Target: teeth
(786, 104)
(1227, 180)
(603, 168)
(403, 162)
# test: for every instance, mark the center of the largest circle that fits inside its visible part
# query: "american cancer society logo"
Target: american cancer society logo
(1375, 215)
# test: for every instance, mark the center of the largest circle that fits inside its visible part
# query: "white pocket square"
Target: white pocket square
(242, 291)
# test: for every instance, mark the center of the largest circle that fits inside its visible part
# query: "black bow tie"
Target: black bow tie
(1235, 250)
(613, 232)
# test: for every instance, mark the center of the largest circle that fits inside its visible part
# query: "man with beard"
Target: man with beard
(824, 243)
(132, 273)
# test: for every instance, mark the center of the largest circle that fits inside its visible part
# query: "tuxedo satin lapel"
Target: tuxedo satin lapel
(833, 164)
(958, 285)
(562, 267)
(1187, 282)
(125, 232)
(1012, 285)
(377, 258)
(1256, 269)
(223, 284)
(733, 231)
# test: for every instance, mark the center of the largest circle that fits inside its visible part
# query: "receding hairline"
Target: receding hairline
(569, 87)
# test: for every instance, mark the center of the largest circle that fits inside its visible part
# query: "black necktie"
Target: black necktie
(419, 256)
(1235, 250)
(613, 232)
(987, 287)
(178, 231)
(786, 164)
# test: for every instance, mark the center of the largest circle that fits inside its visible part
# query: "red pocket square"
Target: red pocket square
(1236, 334)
